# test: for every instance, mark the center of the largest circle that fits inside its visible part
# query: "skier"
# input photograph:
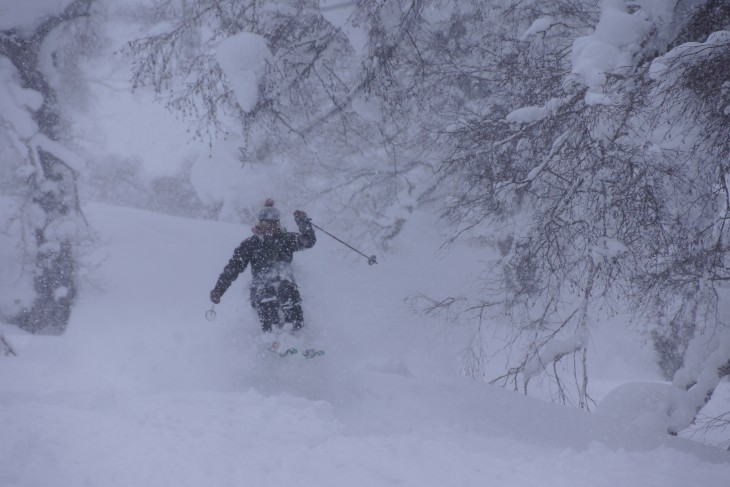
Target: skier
(270, 251)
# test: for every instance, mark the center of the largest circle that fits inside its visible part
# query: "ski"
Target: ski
(311, 353)
(308, 353)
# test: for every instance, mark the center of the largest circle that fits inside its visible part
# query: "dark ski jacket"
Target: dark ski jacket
(270, 256)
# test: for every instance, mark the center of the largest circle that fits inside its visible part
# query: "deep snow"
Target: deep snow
(143, 391)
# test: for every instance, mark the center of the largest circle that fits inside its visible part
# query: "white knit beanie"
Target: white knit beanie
(268, 212)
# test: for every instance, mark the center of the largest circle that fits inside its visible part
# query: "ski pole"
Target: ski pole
(210, 314)
(371, 259)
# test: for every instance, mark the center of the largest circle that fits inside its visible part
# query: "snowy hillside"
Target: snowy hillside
(143, 391)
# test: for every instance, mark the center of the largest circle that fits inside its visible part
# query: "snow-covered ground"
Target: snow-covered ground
(143, 391)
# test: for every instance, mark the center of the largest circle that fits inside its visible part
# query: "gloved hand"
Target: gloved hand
(215, 296)
(300, 216)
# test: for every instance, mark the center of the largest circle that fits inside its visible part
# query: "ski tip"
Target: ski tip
(311, 353)
(288, 351)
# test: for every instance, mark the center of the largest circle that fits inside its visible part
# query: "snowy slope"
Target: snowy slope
(143, 391)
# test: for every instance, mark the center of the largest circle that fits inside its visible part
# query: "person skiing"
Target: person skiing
(270, 252)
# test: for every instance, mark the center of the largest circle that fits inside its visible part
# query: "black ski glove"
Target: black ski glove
(300, 217)
(215, 296)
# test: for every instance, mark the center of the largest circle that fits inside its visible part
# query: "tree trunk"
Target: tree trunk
(54, 187)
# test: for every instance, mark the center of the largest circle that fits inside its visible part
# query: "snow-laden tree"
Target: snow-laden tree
(582, 133)
(41, 215)
(447, 74)
(684, 276)
(286, 81)
(607, 166)
(264, 65)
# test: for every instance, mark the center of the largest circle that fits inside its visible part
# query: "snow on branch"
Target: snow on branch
(670, 66)
(243, 59)
(610, 49)
(538, 27)
(552, 351)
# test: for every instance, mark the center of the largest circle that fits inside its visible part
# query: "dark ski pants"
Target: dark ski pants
(276, 300)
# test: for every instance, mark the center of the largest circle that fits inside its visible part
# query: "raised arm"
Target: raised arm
(306, 237)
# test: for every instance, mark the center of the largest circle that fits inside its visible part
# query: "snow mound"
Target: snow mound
(643, 407)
